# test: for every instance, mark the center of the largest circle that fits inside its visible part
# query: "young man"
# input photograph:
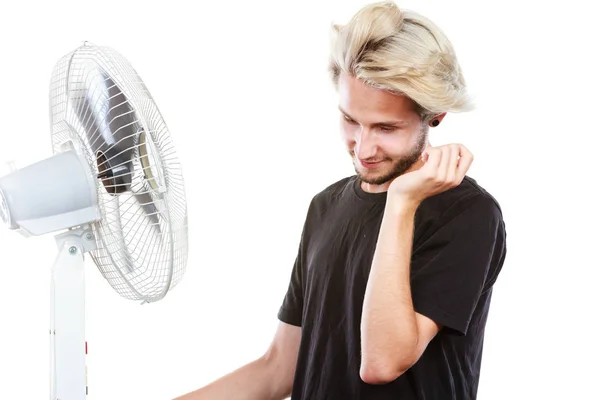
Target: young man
(392, 284)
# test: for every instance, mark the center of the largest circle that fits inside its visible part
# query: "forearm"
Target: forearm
(254, 381)
(389, 332)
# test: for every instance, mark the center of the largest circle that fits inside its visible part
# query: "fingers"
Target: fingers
(447, 165)
(432, 158)
(452, 173)
(466, 159)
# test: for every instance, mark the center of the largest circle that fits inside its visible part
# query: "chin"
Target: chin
(372, 177)
(373, 180)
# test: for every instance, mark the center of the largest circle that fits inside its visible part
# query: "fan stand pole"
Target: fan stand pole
(68, 375)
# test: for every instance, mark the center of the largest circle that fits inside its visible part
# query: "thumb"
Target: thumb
(425, 154)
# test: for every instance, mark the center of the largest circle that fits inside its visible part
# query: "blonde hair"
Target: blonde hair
(402, 52)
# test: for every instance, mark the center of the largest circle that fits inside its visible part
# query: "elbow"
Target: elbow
(373, 377)
(380, 373)
(383, 363)
(280, 376)
(379, 376)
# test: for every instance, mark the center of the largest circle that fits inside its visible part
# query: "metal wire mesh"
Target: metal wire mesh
(100, 107)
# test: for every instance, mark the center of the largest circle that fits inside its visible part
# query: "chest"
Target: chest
(338, 257)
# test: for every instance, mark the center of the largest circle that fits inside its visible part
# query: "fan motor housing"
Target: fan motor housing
(50, 195)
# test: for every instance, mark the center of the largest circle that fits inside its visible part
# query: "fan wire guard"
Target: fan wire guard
(100, 107)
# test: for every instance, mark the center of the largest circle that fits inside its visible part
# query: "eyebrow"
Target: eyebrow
(382, 123)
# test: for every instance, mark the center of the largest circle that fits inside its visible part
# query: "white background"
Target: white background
(244, 90)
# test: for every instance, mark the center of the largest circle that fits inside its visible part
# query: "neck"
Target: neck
(373, 188)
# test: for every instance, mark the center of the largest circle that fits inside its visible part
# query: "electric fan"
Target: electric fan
(113, 188)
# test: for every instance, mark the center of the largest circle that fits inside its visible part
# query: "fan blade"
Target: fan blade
(110, 123)
(105, 113)
(148, 205)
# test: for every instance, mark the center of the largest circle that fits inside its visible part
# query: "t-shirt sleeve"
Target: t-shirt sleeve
(290, 311)
(452, 267)
(291, 308)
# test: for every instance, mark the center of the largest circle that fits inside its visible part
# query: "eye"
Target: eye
(387, 128)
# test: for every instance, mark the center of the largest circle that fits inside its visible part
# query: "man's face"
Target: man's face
(382, 131)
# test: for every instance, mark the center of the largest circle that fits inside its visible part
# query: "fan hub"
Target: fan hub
(117, 179)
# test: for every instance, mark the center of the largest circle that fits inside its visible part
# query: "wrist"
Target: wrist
(402, 206)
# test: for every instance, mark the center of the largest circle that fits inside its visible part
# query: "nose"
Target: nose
(365, 147)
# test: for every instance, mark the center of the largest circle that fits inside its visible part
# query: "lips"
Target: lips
(370, 164)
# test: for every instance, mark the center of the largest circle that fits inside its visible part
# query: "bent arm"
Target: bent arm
(393, 335)
(268, 377)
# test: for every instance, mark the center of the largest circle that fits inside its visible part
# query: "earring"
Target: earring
(435, 122)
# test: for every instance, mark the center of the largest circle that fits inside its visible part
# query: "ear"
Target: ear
(437, 118)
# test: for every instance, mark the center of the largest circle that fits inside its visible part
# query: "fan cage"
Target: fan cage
(141, 253)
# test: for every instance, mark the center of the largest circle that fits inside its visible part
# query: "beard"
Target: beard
(399, 166)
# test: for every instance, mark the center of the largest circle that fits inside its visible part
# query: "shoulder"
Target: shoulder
(469, 203)
(463, 197)
(329, 197)
(478, 201)
(333, 191)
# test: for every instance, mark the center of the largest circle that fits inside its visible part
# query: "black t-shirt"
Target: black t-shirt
(458, 250)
